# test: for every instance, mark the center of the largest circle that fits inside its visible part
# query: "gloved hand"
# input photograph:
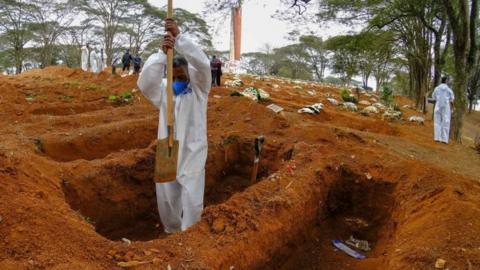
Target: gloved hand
(171, 26)
(168, 42)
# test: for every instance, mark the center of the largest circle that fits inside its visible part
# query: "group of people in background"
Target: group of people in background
(128, 59)
(91, 60)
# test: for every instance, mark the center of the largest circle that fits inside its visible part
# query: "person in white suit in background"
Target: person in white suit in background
(93, 60)
(100, 61)
(84, 58)
(444, 98)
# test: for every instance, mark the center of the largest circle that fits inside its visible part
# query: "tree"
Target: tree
(290, 62)
(255, 63)
(317, 55)
(463, 18)
(109, 15)
(15, 28)
(384, 57)
(194, 26)
(345, 56)
(144, 26)
(421, 27)
(49, 21)
(189, 23)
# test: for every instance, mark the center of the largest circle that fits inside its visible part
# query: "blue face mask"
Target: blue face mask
(179, 87)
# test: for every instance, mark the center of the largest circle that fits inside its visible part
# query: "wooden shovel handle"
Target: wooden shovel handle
(170, 119)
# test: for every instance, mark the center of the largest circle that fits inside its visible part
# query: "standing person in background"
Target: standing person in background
(218, 79)
(444, 98)
(84, 58)
(137, 63)
(93, 60)
(126, 59)
(100, 61)
(214, 69)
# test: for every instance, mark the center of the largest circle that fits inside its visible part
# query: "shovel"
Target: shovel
(167, 149)
(258, 150)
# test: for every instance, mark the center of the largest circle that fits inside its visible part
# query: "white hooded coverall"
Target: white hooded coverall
(443, 96)
(99, 63)
(180, 203)
(93, 61)
(84, 59)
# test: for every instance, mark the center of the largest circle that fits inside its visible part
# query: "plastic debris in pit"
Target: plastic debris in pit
(364, 102)
(392, 115)
(370, 109)
(234, 83)
(312, 109)
(379, 106)
(440, 264)
(341, 246)
(312, 92)
(417, 119)
(333, 101)
(350, 106)
(358, 244)
(275, 108)
(253, 93)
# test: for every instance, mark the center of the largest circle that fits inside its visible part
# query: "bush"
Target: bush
(123, 98)
(386, 95)
(346, 96)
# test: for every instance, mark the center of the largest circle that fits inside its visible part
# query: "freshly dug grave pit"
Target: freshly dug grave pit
(118, 198)
(60, 109)
(97, 142)
(355, 206)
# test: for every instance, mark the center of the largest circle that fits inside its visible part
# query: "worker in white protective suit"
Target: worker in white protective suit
(84, 59)
(100, 61)
(93, 61)
(180, 203)
(444, 98)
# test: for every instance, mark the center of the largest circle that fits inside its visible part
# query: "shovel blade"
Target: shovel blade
(166, 159)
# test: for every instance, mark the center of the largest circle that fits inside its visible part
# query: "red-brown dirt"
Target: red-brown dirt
(76, 177)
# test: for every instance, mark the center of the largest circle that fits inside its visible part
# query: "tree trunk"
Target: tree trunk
(109, 36)
(365, 78)
(461, 22)
(439, 57)
(46, 55)
(323, 66)
(18, 69)
(317, 73)
(377, 85)
(459, 87)
(18, 60)
(438, 65)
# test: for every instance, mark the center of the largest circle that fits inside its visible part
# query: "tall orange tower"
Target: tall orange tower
(236, 34)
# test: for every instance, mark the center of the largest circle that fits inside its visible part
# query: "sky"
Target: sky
(258, 26)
